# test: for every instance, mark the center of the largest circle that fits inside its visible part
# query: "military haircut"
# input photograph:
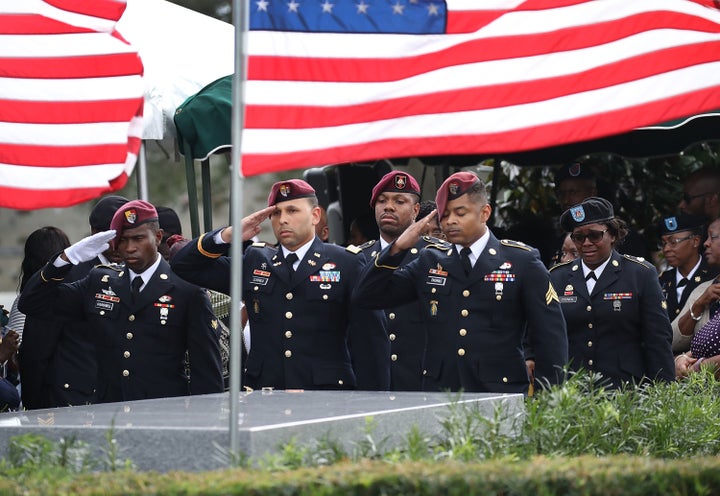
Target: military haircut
(478, 193)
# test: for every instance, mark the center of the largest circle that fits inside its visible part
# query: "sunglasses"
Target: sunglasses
(593, 236)
(687, 198)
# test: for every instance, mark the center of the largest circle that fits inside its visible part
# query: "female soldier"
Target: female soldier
(612, 303)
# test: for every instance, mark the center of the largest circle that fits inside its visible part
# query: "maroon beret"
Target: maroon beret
(131, 215)
(289, 190)
(395, 182)
(103, 211)
(454, 187)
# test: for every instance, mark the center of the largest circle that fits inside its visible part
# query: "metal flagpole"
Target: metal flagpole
(240, 21)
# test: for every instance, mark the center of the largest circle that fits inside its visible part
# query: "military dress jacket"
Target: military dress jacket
(304, 331)
(406, 329)
(669, 286)
(621, 330)
(140, 346)
(57, 358)
(476, 322)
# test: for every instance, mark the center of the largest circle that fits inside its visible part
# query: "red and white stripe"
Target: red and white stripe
(71, 99)
(509, 76)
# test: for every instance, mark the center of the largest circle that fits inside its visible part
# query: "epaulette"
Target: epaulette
(111, 266)
(353, 249)
(515, 244)
(560, 264)
(437, 243)
(365, 245)
(259, 244)
(638, 260)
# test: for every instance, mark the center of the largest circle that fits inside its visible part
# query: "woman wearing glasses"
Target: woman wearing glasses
(702, 303)
(680, 242)
(612, 303)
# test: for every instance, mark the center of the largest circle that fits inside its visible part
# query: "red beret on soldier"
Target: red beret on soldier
(289, 190)
(454, 187)
(395, 182)
(131, 215)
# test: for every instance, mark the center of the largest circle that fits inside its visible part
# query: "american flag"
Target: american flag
(337, 81)
(71, 98)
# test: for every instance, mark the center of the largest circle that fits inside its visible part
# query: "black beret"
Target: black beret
(573, 170)
(103, 211)
(169, 221)
(593, 210)
(680, 222)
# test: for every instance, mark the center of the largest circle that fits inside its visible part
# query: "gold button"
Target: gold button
(66, 385)
(129, 335)
(288, 353)
(102, 312)
(589, 344)
(504, 379)
(255, 288)
(325, 297)
(466, 293)
(288, 334)
(590, 362)
(391, 316)
(498, 297)
(492, 251)
(433, 290)
(393, 357)
(590, 326)
(289, 296)
(464, 313)
(131, 318)
(413, 251)
(392, 337)
(340, 381)
(126, 373)
(461, 352)
(163, 322)
(588, 308)
(288, 315)
(424, 372)
(126, 354)
(463, 332)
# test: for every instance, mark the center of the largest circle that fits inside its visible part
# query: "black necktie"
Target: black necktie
(465, 258)
(135, 288)
(591, 275)
(291, 259)
(682, 282)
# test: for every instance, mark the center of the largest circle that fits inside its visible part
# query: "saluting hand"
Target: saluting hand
(250, 224)
(411, 235)
(89, 247)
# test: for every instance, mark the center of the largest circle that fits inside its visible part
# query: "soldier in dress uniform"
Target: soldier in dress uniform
(477, 295)
(143, 330)
(680, 242)
(304, 331)
(613, 305)
(395, 200)
(57, 356)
